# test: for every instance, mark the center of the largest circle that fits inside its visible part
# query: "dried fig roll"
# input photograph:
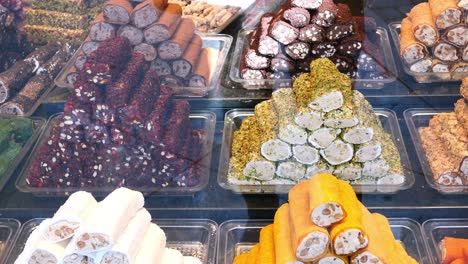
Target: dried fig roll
(411, 50)
(80, 61)
(162, 67)
(340, 31)
(261, 41)
(445, 13)
(323, 50)
(119, 92)
(101, 30)
(134, 35)
(143, 100)
(441, 66)
(117, 12)
(16, 77)
(325, 14)
(154, 127)
(147, 50)
(205, 67)
(457, 35)
(145, 14)
(174, 48)
(312, 33)
(184, 66)
(298, 50)
(249, 74)
(89, 46)
(298, 17)
(178, 128)
(424, 28)
(166, 25)
(445, 52)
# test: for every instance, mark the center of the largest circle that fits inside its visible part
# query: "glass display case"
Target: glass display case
(215, 111)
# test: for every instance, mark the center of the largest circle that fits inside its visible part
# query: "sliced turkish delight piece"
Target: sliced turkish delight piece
(283, 32)
(284, 102)
(306, 154)
(368, 152)
(358, 135)
(297, 16)
(256, 61)
(422, 66)
(340, 31)
(323, 137)
(145, 14)
(376, 168)
(162, 67)
(312, 33)
(320, 167)
(100, 30)
(328, 102)
(343, 63)
(309, 119)
(424, 28)
(260, 170)
(250, 74)
(174, 48)
(118, 11)
(323, 50)
(393, 179)
(133, 34)
(457, 36)
(337, 152)
(276, 150)
(325, 14)
(308, 4)
(446, 13)
(446, 52)
(440, 66)
(347, 172)
(298, 50)
(349, 47)
(291, 170)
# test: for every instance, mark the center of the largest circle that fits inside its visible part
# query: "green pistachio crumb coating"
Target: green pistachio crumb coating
(42, 17)
(267, 119)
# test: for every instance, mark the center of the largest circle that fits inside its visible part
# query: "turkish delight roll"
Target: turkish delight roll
(298, 17)
(312, 33)
(165, 27)
(70, 216)
(457, 35)
(175, 47)
(145, 14)
(178, 128)
(154, 131)
(325, 14)
(118, 93)
(108, 221)
(333, 259)
(153, 246)
(288, 131)
(72, 257)
(126, 248)
(135, 35)
(309, 240)
(203, 72)
(327, 201)
(14, 78)
(33, 240)
(101, 30)
(446, 52)
(260, 39)
(118, 12)
(172, 256)
(445, 13)
(424, 28)
(284, 252)
(349, 235)
(184, 66)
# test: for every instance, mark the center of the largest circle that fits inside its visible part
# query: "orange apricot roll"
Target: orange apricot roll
(241, 259)
(333, 259)
(284, 251)
(267, 245)
(310, 241)
(453, 248)
(326, 200)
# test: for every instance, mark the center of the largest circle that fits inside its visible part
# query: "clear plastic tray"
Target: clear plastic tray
(233, 121)
(38, 125)
(434, 230)
(192, 237)
(421, 77)
(238, 236)
(8, 232)
(416, 119)
(244, 5)
(242, 44)
(219, 42)
(200, 120)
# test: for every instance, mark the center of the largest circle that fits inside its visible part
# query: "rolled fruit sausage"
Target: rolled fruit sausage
(101, 30)
(147, 50)
(446, 52)
(145, 14)
(117, 12)
(307, 4)
(284, 252)
(288, 131)
(458, 35)
(267, 245)
(174, 48)
(162, 67)
(445, 13)
(153, 246)
(129, 243)
(325, 14)
(281, 30)
(184, 66)
(107, 223)
(309, 241)
(166, 25)
(157, 119)
(89, 46)
(298, 17)
(424, 28)
(203, 72)
(298, 50)
(411, 49)
(134, 35)
(261, 41)
(311, 33)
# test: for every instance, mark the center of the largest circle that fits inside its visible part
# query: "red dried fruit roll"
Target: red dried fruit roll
(157, 119)
(122, 136)
(178, 128)
(143, 100)
(104, 114)
(115, 52)
(97, 134)
(71, 131)
(119, 92)
(86, 91)
(325, 14)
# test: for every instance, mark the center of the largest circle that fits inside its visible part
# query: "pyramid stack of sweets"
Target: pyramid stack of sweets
(158, 30)
(119, 128)
(434, 37)
(25, 82)
(445, 142)
(321, 125)
(284, 44)
(14, 133)
(59, 20)
(325, 223)
(116, 230)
